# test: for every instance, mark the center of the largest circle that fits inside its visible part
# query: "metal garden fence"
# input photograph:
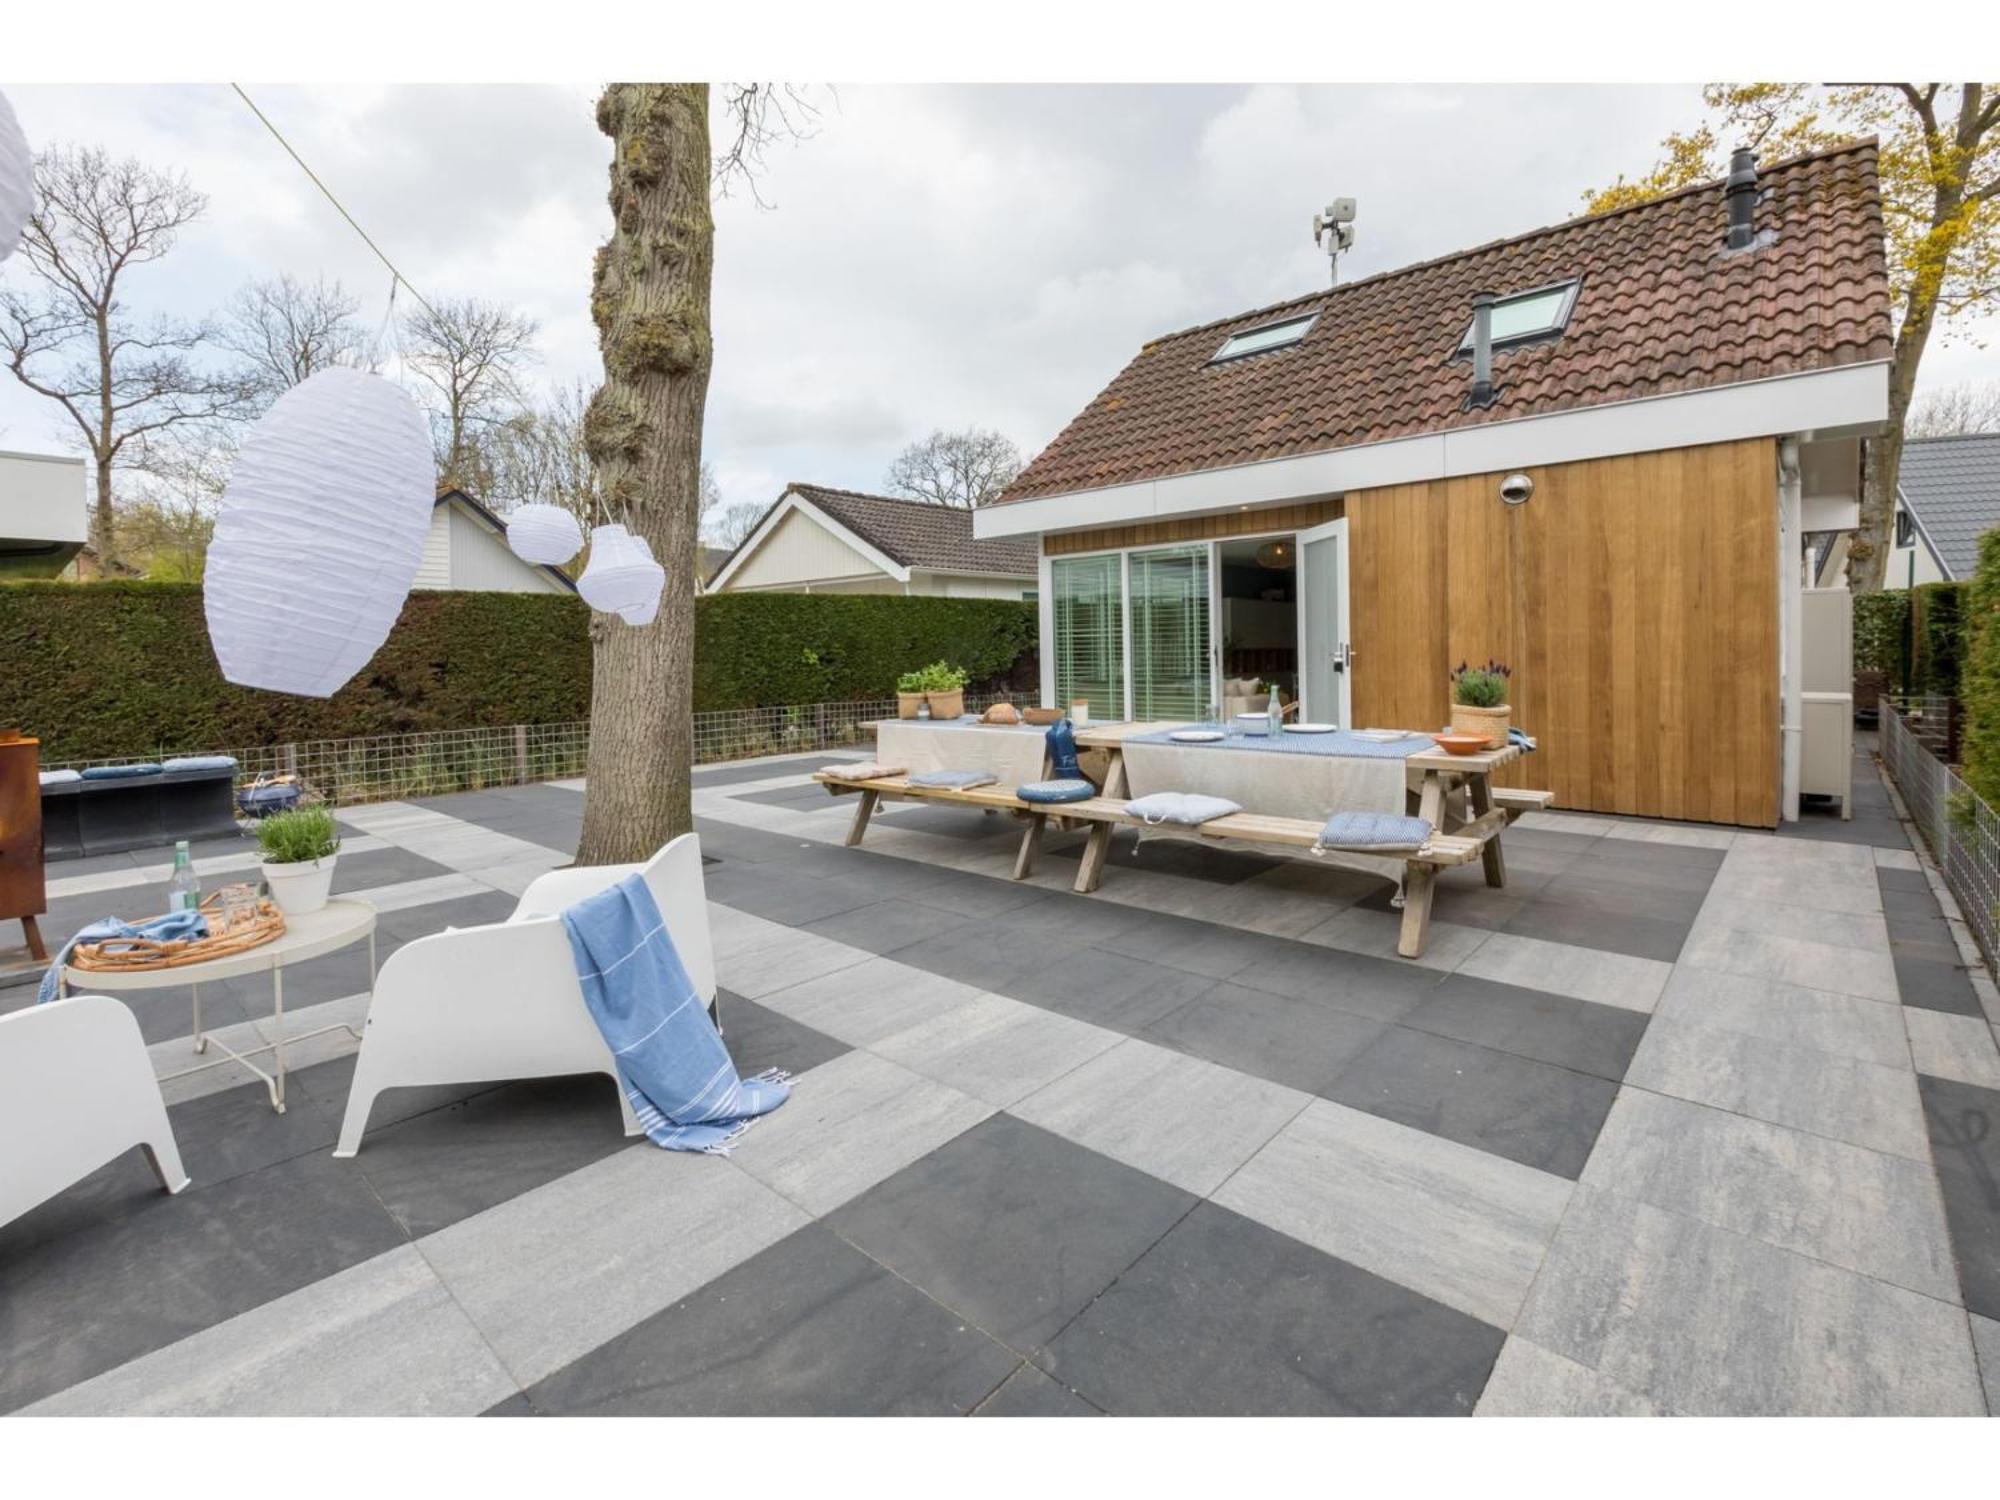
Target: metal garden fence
(1962, 831)
(391, 766)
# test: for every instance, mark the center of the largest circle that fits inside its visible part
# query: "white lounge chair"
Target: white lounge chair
(76, 1091)
(482, 1004)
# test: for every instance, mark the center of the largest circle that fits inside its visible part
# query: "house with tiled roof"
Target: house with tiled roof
(1947, 498)
(818, 540)
(1594, 452)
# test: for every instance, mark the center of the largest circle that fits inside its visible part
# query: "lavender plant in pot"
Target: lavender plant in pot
(1479, 702)
(298, 849)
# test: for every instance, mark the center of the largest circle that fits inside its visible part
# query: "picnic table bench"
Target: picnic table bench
(1476, 838)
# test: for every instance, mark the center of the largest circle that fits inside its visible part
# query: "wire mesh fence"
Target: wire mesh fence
(1962, 831)
(389, 767)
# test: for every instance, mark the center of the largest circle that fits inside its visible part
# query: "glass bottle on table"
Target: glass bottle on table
(183, 889)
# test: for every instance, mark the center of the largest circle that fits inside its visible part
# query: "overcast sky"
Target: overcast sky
(934, 257)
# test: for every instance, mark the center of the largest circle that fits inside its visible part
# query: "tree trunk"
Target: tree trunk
(650, 300)
(103, 521)
(1868, 553)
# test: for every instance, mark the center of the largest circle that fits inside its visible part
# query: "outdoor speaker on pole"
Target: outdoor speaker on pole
(321, 531)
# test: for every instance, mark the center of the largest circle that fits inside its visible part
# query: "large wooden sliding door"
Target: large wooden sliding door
(1636, 599)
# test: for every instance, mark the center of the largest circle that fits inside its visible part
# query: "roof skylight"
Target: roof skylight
(1257, 340)
(1527, 316)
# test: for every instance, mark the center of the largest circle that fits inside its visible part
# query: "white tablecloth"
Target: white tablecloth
(1014, 755)
(1281, 786)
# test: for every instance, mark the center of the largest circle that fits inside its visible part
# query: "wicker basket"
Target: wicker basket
(1491, 723)
(127, 954)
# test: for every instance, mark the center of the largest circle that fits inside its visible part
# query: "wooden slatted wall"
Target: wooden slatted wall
(1635, 597)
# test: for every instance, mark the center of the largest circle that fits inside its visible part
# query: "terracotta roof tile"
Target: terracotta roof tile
(1663, 308)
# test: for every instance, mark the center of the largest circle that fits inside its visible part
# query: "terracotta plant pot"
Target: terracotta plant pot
(1489, 722)
(907, 703)
(947, 705)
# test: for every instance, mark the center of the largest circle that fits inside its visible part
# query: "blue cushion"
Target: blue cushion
(1370, 830)
(1063, 789)
(201, 763)
(963, 781)
(117, 773)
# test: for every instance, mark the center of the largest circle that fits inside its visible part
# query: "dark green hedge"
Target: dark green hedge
(125, 667)
(1882, 637)
(1979, 687)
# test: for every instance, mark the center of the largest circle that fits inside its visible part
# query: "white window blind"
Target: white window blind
(1170, 660)
(1090, 634)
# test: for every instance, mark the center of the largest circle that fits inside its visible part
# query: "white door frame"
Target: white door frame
(1336, 531)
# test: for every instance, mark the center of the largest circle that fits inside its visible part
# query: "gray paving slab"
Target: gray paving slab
(996, 1049)
(1528, 1381)
(1964, 1123)
(1960, 1048)
(1704, 1322)
(1030, 1393)
(1463, 1227)
(864, 1002)
(1574, 1034)
(1303, 1044)
(1816, 965)
(1986, 1343)
(1843, 1025)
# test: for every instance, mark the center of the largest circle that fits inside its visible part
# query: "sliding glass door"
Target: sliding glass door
(1088, 598)
(1170, 633)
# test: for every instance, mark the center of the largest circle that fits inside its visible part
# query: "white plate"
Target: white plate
(1312, 729)
(1197, 736)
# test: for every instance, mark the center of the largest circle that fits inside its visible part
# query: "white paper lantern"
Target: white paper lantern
(646, 613)
(17, 180)
(544, 534)
(320, 534)
(621, 574)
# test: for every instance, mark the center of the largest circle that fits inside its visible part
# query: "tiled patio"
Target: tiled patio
(1681, 1121)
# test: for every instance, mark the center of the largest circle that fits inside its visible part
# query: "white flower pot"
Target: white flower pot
(301, 886)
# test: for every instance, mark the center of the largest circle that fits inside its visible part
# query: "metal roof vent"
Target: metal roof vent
(1482, 350)
(1743, 196)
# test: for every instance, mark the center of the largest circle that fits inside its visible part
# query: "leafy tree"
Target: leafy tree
(127, 384)
(967, 468)
(1940, 173)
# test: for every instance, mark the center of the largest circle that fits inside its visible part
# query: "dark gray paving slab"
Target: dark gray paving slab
(446, 1164)
(1526, 1111)
(1030, 1393)
(1556, 917)
(966, 823)
(812, 795)
(809, 1327)
(1964, 1126)
(1224, 1317)
(1301, 1043)
(779, 895)
(1929, 980)
(725, 774)
(1575, 1034)
(1178, 942)
(1104, 988)
(372, 867)
(1215, 866)
(1911, 881)
(759, 1038)
(435, 916)
(886, 926)
(1908, 901)
(1377, 989)
(1013, 1228)
(739, 845)
(145, 1277)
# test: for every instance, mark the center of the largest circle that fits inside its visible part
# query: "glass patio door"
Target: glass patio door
(1171, 673)
(1326, 662)
(1087, 594)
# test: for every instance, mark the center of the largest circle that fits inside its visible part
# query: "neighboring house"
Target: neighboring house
(467, 550)
(1947, 497)
(44, 513)
(815, 540)
(1316, 492)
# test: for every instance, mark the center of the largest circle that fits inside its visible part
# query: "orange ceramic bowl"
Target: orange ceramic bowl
(1462, 744)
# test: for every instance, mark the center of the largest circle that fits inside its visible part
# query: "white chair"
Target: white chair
(76, 1091)
(483, 1004)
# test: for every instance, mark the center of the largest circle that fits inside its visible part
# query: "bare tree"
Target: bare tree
(966, 468)
(471, 355)
(126, 384)
(733, 523)
(537, 457)
(1955, 410)
(285, 330)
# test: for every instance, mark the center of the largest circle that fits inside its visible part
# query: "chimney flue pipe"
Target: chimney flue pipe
(1742, 195)
(1482, 348)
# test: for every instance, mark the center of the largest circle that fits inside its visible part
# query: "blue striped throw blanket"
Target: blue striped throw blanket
(164, 929)
(675, 1071)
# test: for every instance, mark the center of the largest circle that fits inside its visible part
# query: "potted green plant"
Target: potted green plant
(909, 693)
(944, 686)
(1479, 702)
(298, 849)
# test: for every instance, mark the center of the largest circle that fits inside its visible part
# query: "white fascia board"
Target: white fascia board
(1848, 401)
(794, 502)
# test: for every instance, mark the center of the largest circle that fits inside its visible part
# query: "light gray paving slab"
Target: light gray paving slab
(849, 1124)
(1556, 822)
(789, 957)
(1184, 1119)
(1834, 892)
(1866, 1210)
(1620, 979)
(1671, 833)
(1528, 1381)
(1897, 859)
(1862, 1103)
(1457, 1224)
(1960, 1048)
(405, 894)
(1816, 965)
(862, 1003)
(1986, 1342)
(1767, 851)
(552, 1274)
(997, 1049)
(1844, 1025)
(1863, 930)
(1363, 930)
(381, 1339)
(1704, 1322)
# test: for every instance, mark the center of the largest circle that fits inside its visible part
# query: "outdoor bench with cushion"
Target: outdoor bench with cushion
(112, 810)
